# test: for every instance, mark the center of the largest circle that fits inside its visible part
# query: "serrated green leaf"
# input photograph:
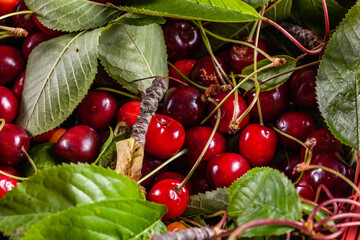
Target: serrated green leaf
(263, 193)
(133, 52)
(58, 188)
(139, 19)
(213, 10)
(338, 81)
(119, 219)
(208, 202)
(59, 74)
(274, 83)
(279, 10)
(72, 15)
(43, 155)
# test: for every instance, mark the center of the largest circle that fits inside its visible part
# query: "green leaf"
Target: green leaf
(72, 15)
(133, 52)
(263, 193)
(279, 10)
(58, 188)
(58, 75)
(256, 3)
(218, 11)
(43, 156)
(338, 81)
(139, 19)
(307, 208)
(118, 219)
(273, 83)
(208, 202)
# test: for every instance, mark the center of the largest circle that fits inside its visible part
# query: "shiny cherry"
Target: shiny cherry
(173, 175)
(150, 164)
(184, 66)
(273, 102)
(9, 169)
(24, 20)
(6, 184)
(44, 29)
(257, 144)
(44, 137)
(227, 111)
(98, 109)
(78, 144)
(18, 86)
(199, 182)
(32, 41)
(302, 87)
(165, 192)
(296, 124)
(11, 64)
(242, 56)
(12, 139)
(184, 104)
(7, 6)
(182, 39)
(164, 137)
(129, 112)
(9, 104)
(288, 165)
(305, 190)
(224, 168)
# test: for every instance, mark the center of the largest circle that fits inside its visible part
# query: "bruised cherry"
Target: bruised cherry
(203, 72)
(9, 104)
(11, 64)
(129, 112)
(184, 66)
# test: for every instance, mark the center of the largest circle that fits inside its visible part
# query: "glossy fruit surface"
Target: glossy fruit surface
(78, 144)
(7, 6)
(204, 71)
(9, 104)
(183, 103)
(164, 137)
(6, 184)
(129, 112)
(98, 109)
(257, 144)
(18, 86)
(305, 190)
(32, 41)
(227, 111)
(173, 175)
(11, 64)
(24, 20)
(12, 139)
(288, 166)
(164, 192)
(225, 168)
(44, 137)
(302, 87)
(184, 66)
(273, 102)
(44, 29)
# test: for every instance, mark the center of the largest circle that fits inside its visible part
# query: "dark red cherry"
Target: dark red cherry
(182, 39)
(227, 112)
(7, 6)
(150, 164)
(165, 192)
(184, 66)
(129, 112)
(18, 86)
(12, 139)
(296, 124)
(204, 71)
(257, 144)
(173, 175)
(305, 190)
(273, 103)
(302, 87)
(224, 168)
(98, 109)
(24, 20)
(164, 137)
(11, 64)
(288, 166)
(183, 103)
(9, 104)
(199, 182)
(9, 169)
(6, 184)
(78, 144)
(44, 29)
(32, 41)
(44, 137)
(242, 56)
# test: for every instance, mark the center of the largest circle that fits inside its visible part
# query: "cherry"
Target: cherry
(227, 111)
(224, 168)
(173, 175)
(9, 169)
(32, 41)
(7, 6)
(11, 64)
(9, 104)
(302, 87)
(296, 124)
(18, 86)
(44, 29)
(165, 192)
(78, 144)
(164, 137)
(203, 73)
(242, 56)
(199, 182)
(175, 227)
(273, 102)
(57, 135)
(98, 109)
(184, 104)
(12, 139)
(44, 137)
(24, 20)
(258, 144)
(182, 39)
(6, 184)
(150, 164)
(305, 190)
(184, 66)
(129, 112)
(288, 166)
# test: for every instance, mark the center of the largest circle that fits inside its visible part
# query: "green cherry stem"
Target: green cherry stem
(12, 176)
(15, 32)
(289, 136)
(236, 98)
(29, 159)
(16, 13)
(119, 92)
(2, 123)
(186, 78)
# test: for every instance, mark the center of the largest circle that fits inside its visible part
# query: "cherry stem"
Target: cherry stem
(12, 176)
(236, 98)
(289, 136)
(5, 36)
(222, 221)
(186, 78)
(336, 217)
(340, 225)
(182, 152)
(315, 205)
(119, 92)
(15, 32)
(15, 13)
(328, 237)
(2, 123)
(192, 222)
(328, 194)
(326, 20)
(186, 179)
(29, 159)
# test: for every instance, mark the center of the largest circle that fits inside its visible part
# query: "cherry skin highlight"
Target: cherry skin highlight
(129, 112)
(9, 104)
(173, 175)
(6, 184)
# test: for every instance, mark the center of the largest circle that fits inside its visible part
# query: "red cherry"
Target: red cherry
(164, 137)
(98, 109)
(11, 64)
(302, 87)
(18, 86)
(9, 104)
(199, 182)
(184, 66)
(288, 166)
(44, 137)
(32, 41)
(305, 190)
(24, 20)
(150, 164)
(258, 144)
(6, 184)
(12, 139)
(227, 111)
(7, 6)
(44, 29)
(9, 169)
(173, 175)
(225, 168)
(78, 144)
(164, 192)
(129, 112)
